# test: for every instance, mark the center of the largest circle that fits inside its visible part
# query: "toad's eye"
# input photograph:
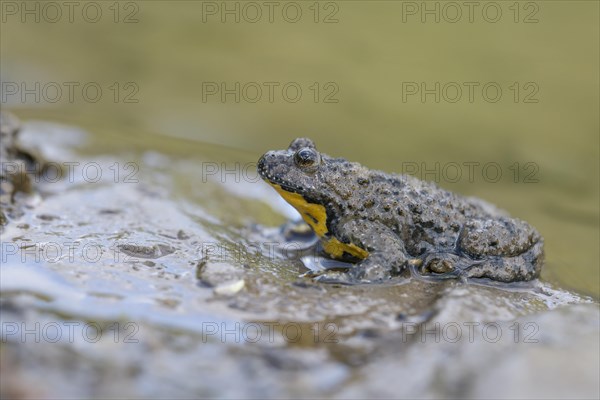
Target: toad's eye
(306, 157)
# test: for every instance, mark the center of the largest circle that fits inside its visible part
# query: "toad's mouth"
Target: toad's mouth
(272, 178)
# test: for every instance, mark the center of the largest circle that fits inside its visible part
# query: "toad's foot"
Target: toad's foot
(438, 265)
(374, 269)
(327, 271)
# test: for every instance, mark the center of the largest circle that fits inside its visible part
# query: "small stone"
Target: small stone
(230, 288)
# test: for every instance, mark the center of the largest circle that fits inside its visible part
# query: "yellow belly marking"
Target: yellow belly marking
(315, 215)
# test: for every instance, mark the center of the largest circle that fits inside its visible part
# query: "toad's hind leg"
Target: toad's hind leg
(524, 267)
(502, 249)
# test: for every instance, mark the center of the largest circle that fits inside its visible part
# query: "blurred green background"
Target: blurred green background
(354, 62)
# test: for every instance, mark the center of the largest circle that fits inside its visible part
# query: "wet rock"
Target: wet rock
(19, 168)
(473, 358)
(152, 252)
(47, 217)
(181, 235)
(223, 277)
(250, 326)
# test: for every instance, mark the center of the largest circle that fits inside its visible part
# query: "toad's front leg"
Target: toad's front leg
(384, 250)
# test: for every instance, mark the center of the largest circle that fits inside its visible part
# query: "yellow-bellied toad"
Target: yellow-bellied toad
(385, 222)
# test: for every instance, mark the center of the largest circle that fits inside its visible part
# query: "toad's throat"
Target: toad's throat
(315, 215)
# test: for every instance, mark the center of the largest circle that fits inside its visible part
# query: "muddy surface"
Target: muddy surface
(157, 279)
